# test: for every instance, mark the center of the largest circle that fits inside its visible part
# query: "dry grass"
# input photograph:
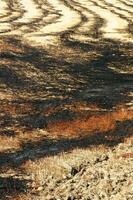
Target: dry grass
(16, 109)
(8, 47)
(9, 143)
(89, 125)
(84, 126)
(21, 197)
(59, 166)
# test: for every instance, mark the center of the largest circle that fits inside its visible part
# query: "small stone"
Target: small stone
(74, 171)
(39, 189)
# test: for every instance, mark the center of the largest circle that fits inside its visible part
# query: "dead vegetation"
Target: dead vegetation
(61, 148)
(90, 125)
(85, 125)
(54, 150)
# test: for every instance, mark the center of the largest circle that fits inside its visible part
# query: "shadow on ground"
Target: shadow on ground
(91, 81)
(10, 186)
(49, 147)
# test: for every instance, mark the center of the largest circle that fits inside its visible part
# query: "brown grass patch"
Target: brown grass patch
(83, 126)
(86, 125)
(15, 109)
